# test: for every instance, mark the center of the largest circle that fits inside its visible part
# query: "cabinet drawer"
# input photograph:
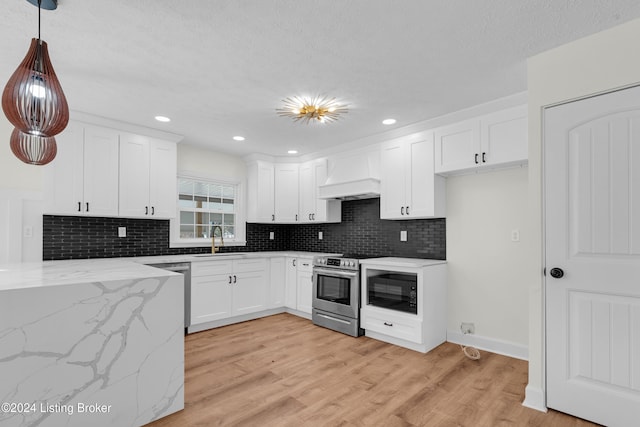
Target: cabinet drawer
(304, 264)
(251, 264)
(209, 268)
(392, 325)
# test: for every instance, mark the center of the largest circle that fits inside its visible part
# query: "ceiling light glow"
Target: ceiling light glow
(292, 151)
(389, 122)
(163, 119)
(238, 138)
(320, 109)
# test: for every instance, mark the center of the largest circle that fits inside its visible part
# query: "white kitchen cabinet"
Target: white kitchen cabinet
(277, 282)
(225, 288)
(83, 178)
(304, 276)
(260, 194)
(291, 289)
(286, 188)
(409, 189)
(299, 285)
(421, 331)
(148, 175)
(493, 140)
(311, 207)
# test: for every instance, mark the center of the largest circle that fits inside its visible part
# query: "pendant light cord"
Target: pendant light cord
(39, 12)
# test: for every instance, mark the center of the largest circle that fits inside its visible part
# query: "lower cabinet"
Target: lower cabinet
(299, 284)
(222, 289)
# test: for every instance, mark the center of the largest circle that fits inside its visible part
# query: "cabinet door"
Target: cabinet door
(504, 136)
(210, 298)
(305, 291)
(63, 185)
(163, 179)
(100, 171)
(393, 180)
(286, 193)
(457, 146)
(421, 179)
(277, 282)
(260, 201)
(134, 176)
(249, 292)
(308, 192)
(291, 281)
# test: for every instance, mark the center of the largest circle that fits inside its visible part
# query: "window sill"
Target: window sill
(203, 243)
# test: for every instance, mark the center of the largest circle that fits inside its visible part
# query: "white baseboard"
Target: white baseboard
(493, 345)
(534, 398)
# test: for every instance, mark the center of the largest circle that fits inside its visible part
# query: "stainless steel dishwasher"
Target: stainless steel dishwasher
(185, 269)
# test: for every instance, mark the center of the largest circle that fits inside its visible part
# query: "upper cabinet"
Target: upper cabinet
(409, 189)
(83, 179)
(286, 189)
(494, 140)
(147, 177)
(287, 193)
(102, 171)
(311, 207)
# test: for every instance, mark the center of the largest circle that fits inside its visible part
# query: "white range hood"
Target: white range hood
(352, 177)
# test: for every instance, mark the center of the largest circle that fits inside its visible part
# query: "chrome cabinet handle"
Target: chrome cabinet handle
(475, 159)
(146, 210)
(407, 210)
(79, 206)
(294, 262)
(229, 279)
(273, 217)
(402, 210)
(153, 210)
(235, 279)
(484, 160)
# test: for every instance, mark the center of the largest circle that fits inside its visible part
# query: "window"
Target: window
(204, 204)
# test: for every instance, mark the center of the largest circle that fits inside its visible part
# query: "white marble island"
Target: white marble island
(97, 343)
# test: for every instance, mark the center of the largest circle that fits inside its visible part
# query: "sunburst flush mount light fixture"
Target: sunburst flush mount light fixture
(320, 109)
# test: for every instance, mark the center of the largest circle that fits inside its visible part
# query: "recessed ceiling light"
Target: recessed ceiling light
(389, 122)
(163, 119)
(238, 138)
(292, 151)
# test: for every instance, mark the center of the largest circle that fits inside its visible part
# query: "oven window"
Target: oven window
(334, 289)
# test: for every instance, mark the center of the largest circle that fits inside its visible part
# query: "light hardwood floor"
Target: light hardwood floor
(284, 371)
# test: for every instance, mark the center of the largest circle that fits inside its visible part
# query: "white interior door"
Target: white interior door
(592, 227)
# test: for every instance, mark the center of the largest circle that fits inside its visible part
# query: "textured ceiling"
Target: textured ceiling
(220, 68)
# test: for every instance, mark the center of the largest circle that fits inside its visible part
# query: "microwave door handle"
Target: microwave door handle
(338, 273)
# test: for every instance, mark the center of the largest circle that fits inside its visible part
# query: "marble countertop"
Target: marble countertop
(400, 262)
(57, 273)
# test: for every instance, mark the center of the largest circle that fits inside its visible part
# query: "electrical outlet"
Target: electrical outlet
(319, 235)
(122, 231)
(27, 231)
(515, 235)
(272, 235)
(467, 328)
(403, 236)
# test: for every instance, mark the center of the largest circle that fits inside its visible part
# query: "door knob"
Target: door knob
(556, 273)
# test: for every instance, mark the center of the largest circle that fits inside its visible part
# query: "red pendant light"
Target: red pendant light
(33, 99)
(33, 150)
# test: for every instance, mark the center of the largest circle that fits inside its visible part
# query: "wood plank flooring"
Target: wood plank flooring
(284, 371)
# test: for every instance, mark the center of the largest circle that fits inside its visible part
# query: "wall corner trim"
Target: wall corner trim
(534, 398)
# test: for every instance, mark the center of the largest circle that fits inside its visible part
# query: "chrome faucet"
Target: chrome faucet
(215, 248)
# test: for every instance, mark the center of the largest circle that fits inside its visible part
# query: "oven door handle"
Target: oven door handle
(331, 272)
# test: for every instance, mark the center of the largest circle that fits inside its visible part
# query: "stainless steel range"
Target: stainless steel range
(336, 294)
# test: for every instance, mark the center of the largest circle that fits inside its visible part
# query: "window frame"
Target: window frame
(175, 241)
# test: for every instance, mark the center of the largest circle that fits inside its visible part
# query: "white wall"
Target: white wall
(591, 65)
(210, 164)
(486, 285)
(14, 174)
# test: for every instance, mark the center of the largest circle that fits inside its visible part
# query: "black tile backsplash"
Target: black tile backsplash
(361, 231)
